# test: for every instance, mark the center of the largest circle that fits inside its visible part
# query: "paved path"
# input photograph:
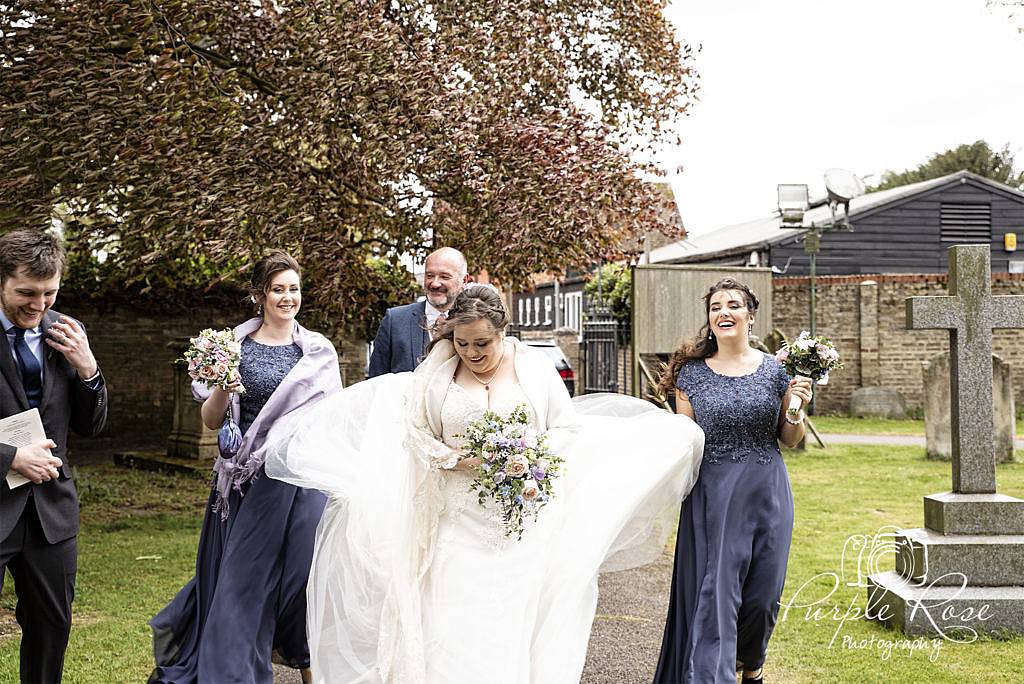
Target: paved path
(894, 440)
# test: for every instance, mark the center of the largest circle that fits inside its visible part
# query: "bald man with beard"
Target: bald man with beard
(402, 337)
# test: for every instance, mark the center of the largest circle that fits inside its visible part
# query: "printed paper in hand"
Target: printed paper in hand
(20, 430)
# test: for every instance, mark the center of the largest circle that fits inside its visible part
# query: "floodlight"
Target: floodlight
(793, 202)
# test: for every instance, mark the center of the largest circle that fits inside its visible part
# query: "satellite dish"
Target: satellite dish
(842, 187)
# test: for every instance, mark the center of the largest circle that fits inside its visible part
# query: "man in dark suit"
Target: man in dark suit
(45, 363)
(402, 336)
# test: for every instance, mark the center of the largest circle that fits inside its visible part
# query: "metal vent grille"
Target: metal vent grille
(966, 223)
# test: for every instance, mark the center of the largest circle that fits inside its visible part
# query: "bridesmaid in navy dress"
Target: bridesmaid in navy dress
(247, 601)
(735, 526)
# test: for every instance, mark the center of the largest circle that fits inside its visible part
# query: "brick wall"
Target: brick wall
(865, 315)
(134, 349)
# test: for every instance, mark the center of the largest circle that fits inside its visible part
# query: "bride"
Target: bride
(415, 581)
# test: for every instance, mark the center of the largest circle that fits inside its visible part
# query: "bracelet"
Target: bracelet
(795, 422)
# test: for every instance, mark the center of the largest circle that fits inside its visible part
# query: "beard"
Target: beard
(441, 300)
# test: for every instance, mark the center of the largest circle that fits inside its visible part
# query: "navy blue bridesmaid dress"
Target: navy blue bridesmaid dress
(248, 596)
(735, 529)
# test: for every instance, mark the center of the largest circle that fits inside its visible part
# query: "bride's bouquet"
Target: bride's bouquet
(213, 358)
(810, 357)
(516, 466)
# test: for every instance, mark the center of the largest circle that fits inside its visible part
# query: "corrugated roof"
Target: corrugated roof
(760, 233)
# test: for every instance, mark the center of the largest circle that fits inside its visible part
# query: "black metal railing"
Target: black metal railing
(600, 351)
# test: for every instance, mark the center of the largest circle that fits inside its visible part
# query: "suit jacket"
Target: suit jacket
(401, 340)
(67, 402)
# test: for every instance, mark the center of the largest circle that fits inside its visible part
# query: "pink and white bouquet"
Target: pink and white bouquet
(516, 466)
(213, 358)
(810, 357)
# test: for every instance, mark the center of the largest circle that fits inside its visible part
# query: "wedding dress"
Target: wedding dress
(414, 581)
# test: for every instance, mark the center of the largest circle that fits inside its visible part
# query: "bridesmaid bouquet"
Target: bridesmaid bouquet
(516, 466)
(810, 357)
(213, 358)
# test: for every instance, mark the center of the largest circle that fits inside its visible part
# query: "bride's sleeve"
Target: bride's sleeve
(562, 421)
(434, 453)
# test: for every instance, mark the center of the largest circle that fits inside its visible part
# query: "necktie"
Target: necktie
(31, 371)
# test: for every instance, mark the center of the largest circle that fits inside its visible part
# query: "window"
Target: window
(965, 223)
(573, 309)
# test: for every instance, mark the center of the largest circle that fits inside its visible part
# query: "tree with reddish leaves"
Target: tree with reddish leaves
(177, 139)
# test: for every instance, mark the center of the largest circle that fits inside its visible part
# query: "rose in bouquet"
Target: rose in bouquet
(516, 467)
(810, 357)
(213, 358)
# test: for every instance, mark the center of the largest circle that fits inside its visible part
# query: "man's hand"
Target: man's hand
(70, 339)
(36, 462)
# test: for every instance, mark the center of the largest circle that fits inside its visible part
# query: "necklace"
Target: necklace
(487, 383)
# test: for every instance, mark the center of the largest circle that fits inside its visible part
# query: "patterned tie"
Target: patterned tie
(28, 365)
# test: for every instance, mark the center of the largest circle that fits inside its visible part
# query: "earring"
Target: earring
(711, 335)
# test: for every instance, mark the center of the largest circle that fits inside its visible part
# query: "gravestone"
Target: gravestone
(937, 413)
(877, 402)
(963, 572)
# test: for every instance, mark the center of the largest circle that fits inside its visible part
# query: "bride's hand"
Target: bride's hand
(468, 463)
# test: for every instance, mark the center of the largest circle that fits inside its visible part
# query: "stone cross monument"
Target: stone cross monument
(970, 312)
(965, 570)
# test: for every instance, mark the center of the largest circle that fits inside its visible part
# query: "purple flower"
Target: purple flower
(499, 477)
(538, 473)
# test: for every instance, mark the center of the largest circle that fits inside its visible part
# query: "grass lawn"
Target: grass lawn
(139, 533)
(878, 426)
(858, 490)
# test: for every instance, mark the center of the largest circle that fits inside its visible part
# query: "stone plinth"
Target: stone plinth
(928, 557)
(937, 409)
(189, 438)
(950, 513)
(877, 402)
(921, 610)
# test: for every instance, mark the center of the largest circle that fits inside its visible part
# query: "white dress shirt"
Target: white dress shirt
(432, 315)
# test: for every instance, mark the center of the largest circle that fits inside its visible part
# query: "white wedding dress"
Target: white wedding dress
(414, 581)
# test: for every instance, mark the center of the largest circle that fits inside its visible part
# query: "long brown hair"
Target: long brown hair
(472, 304)
(705, 344)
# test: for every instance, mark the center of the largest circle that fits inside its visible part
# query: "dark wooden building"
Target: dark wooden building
(901, 230)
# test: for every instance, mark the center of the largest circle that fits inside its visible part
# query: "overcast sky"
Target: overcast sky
(790, 88)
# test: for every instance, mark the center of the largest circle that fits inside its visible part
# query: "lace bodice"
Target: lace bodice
(262, 368)
(739, 414)
(460, 409)
(461, 508)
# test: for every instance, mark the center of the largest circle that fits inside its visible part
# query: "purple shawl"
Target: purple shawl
(315, 377)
